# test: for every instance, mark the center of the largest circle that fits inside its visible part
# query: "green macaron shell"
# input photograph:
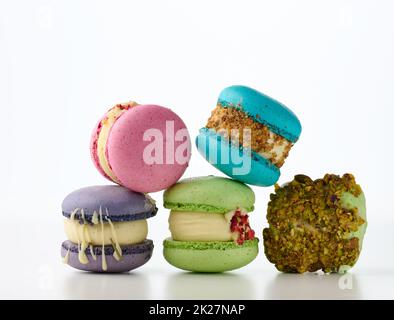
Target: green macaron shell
(215, 256)
(349, 201)
(205, 245)
(209, 194)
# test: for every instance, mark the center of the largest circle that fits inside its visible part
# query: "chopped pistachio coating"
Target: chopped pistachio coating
(310, 229)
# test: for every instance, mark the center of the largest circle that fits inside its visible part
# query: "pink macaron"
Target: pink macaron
(145, 148)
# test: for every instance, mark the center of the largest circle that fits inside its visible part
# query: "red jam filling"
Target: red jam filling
(240, 225)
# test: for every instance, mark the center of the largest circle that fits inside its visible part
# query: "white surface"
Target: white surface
(34, 270)
(63, 63)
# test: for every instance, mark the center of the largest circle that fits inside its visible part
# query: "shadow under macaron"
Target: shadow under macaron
(200, 286)
(313, 286)
(80, 285)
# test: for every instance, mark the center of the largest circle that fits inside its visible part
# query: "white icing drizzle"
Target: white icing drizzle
(72, 215)
(95, 219)
(85, 229)
(82, 257)
(92, 252)
(114, 239)
(84, 238)
(72, 218)
(66, 257)
(117, 254)
(103, 260)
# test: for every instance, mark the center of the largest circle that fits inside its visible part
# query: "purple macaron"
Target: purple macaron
(95, 209)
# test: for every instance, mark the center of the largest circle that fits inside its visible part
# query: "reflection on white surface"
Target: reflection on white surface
(313, 286)
(47, 278)
(187, 285)
(84, 285)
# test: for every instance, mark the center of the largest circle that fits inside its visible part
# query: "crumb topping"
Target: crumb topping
(263, 141)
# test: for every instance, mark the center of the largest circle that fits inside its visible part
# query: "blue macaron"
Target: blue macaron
(254, 156)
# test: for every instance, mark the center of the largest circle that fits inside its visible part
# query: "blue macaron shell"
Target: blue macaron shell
(115, 202)
(263, 109)
(227, 158)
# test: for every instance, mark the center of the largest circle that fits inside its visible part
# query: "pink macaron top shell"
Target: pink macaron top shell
(126, 145)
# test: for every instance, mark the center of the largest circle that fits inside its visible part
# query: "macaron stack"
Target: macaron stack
(313, 224)
(248, 138)
(106, 225)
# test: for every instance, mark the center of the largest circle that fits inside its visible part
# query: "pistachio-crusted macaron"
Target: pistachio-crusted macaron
(316, 224)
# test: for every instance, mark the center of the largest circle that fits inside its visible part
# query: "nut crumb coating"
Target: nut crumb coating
(309, 230)
(263, 141)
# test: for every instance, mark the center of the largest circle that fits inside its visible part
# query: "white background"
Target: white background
(64, 63)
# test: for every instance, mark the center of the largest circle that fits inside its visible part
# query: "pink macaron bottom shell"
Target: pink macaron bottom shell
(131, 138)
(93, 148)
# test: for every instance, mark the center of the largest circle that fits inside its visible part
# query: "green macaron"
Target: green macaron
(211, 196)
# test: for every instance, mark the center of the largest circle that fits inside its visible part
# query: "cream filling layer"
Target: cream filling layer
(103, 232)
(279, 151)
(241, 129)
(201, 226)
(106, 125)
(117, 233)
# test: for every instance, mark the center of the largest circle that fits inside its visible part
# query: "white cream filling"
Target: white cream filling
(201, 226)
(102, 232)
(106, 125)
(120, 233)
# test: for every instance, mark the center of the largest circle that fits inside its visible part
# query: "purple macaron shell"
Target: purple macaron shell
(134, 256)
(116, 202)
